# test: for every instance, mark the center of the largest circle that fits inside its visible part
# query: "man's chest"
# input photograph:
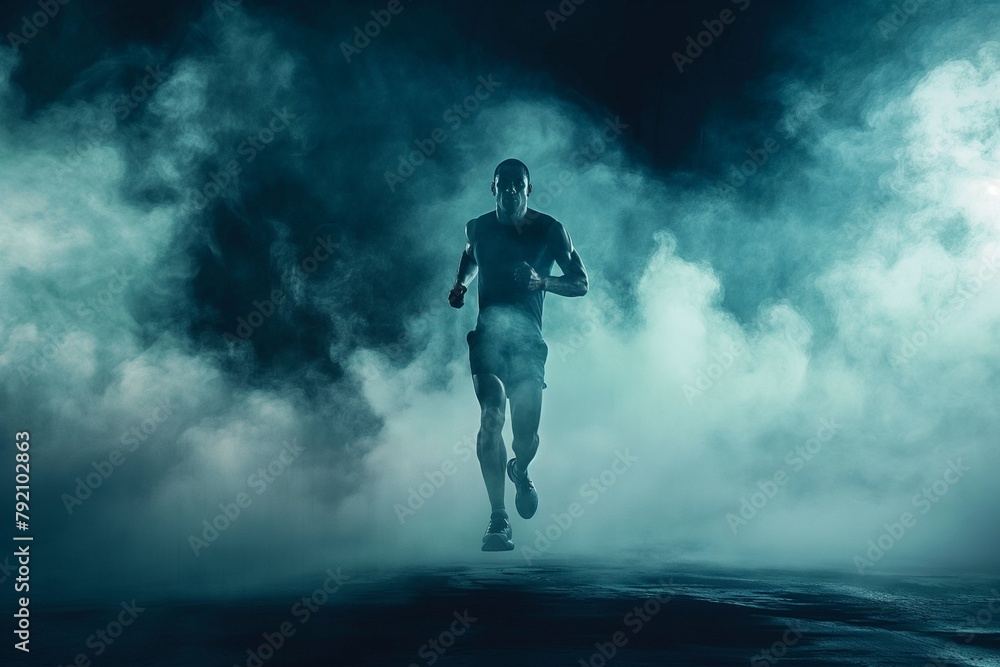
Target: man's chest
(499, 248)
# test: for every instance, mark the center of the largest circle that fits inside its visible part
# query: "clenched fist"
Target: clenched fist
(525, 277)
(456, 297)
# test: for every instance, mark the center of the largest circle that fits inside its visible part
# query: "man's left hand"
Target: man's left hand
(527, 278)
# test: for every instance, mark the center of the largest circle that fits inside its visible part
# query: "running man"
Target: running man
(512, 250)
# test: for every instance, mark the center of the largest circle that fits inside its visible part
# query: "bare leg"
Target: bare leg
(489, 445)
(525, 415)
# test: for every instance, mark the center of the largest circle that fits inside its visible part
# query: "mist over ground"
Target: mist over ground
(222, 261)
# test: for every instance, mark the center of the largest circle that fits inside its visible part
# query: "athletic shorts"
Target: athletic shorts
(513, 361)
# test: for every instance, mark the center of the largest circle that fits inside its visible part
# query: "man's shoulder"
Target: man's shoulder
(540, 218)
(542, 222)
(470, 226)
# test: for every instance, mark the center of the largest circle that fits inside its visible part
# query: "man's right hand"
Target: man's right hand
(457, 295)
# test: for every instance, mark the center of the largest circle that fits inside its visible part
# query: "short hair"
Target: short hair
(512, 162)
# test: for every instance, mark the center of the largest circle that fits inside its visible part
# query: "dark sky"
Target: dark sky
(604, 57)
(611, 54)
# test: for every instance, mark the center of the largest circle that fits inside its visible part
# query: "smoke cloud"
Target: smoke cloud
(225, 268)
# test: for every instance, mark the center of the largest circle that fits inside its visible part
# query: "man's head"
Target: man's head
(511, 187)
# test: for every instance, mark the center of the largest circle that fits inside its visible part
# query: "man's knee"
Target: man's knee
(493, 403)
(492, 419)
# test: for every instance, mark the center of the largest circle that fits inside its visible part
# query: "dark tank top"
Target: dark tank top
(499, 249)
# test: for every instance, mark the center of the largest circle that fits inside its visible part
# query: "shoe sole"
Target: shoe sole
(526, 512)
(520, 499)
(497, 542)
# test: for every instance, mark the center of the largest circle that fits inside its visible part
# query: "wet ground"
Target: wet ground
(572, 614)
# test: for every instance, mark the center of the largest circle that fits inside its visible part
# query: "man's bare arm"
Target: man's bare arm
(467, 270)
(574, 281)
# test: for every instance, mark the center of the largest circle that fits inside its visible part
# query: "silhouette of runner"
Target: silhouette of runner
(512, 250)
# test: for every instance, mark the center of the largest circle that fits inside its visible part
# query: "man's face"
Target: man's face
(511, 189)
